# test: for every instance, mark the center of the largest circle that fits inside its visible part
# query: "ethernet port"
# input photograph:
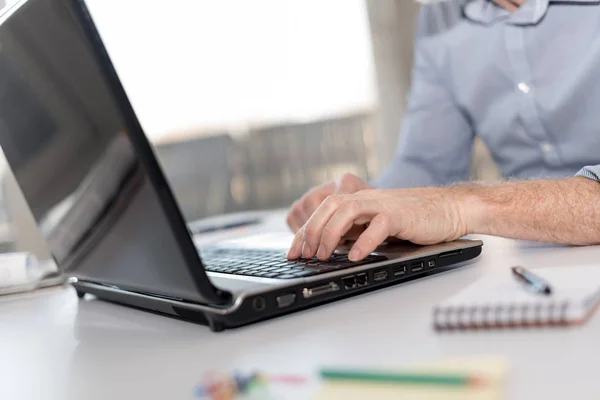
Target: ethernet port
(362, 279)
(349, 282)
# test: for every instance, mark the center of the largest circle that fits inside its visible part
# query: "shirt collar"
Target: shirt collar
(487, 12)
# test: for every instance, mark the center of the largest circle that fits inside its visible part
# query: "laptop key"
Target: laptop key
(286, 263)
(271, 263)
(282, 270)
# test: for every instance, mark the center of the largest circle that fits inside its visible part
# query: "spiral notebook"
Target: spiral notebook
(499, 300)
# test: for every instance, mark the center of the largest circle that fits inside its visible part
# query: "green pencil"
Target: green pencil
(401, 378)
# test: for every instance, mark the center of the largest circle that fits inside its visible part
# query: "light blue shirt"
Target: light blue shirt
(528, 84)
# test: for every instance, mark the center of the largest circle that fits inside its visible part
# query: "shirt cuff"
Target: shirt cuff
(591, 172)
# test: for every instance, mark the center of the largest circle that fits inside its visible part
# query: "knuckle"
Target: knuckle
(332, 201)
(348, 179)
(350, 207)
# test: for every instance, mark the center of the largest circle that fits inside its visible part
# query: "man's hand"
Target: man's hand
(560, 211)
(302, 209)
(510, 5)
(423, 216)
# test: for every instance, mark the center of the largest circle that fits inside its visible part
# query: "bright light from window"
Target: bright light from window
(221, 64)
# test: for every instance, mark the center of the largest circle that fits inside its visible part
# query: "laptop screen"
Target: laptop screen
(68, 145)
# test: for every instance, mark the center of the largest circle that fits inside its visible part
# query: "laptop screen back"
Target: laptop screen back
(68, 142)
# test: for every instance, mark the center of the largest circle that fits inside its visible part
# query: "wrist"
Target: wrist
(474, 212)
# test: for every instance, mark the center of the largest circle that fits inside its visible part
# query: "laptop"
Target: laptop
(100, 198)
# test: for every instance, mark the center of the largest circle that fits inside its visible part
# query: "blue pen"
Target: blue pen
(533, 282)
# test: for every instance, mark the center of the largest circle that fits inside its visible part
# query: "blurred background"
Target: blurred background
(251, 103)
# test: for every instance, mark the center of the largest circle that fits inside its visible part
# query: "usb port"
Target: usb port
(349, 282)
(362, 279)
(380, 275)
(416, 267)
(399, 270)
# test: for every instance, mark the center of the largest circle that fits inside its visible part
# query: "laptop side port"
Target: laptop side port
(416, 267)
(398, 270)
(285, 300)
(450, 253)
(362, 279)
(349, 282)
(320, 290)
(380, 275)
(259, 303)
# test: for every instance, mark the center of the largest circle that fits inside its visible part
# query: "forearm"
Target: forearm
(561, 211)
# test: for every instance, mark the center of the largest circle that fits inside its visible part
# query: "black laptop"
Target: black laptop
(101, 200)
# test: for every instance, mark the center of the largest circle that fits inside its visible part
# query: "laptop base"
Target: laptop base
(285, 300)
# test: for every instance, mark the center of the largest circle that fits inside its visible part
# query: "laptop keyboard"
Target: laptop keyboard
(268, 263)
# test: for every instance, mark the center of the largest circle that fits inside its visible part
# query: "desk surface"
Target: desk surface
(53, 346)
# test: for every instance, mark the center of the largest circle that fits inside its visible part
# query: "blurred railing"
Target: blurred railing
(267, 167)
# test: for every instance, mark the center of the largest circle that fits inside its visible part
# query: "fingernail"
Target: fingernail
(306, 250)
(354, 255)
(321, 253)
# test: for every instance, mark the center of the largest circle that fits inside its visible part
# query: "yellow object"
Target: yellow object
(492, 369)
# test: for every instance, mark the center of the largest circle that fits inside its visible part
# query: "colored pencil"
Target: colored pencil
(401, 378)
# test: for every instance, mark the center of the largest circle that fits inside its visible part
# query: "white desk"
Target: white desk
(53, 346)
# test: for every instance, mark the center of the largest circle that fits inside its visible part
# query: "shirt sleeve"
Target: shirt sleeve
(591, 172)
(436, 141)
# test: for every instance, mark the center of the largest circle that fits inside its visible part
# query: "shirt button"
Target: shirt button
(523, 87)
(546, 147)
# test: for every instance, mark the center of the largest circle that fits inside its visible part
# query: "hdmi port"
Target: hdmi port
(320, 290)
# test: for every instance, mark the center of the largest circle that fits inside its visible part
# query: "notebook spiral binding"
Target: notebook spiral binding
(501, 316)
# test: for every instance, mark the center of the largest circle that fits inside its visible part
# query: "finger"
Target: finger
(296, 248)
(291, 220)
(313, 199)
(294, 224)
(349, 183)
(296, 217)
(348, 214)
(312, 229)
(511, 7)
(373, 236)
(310, 203)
